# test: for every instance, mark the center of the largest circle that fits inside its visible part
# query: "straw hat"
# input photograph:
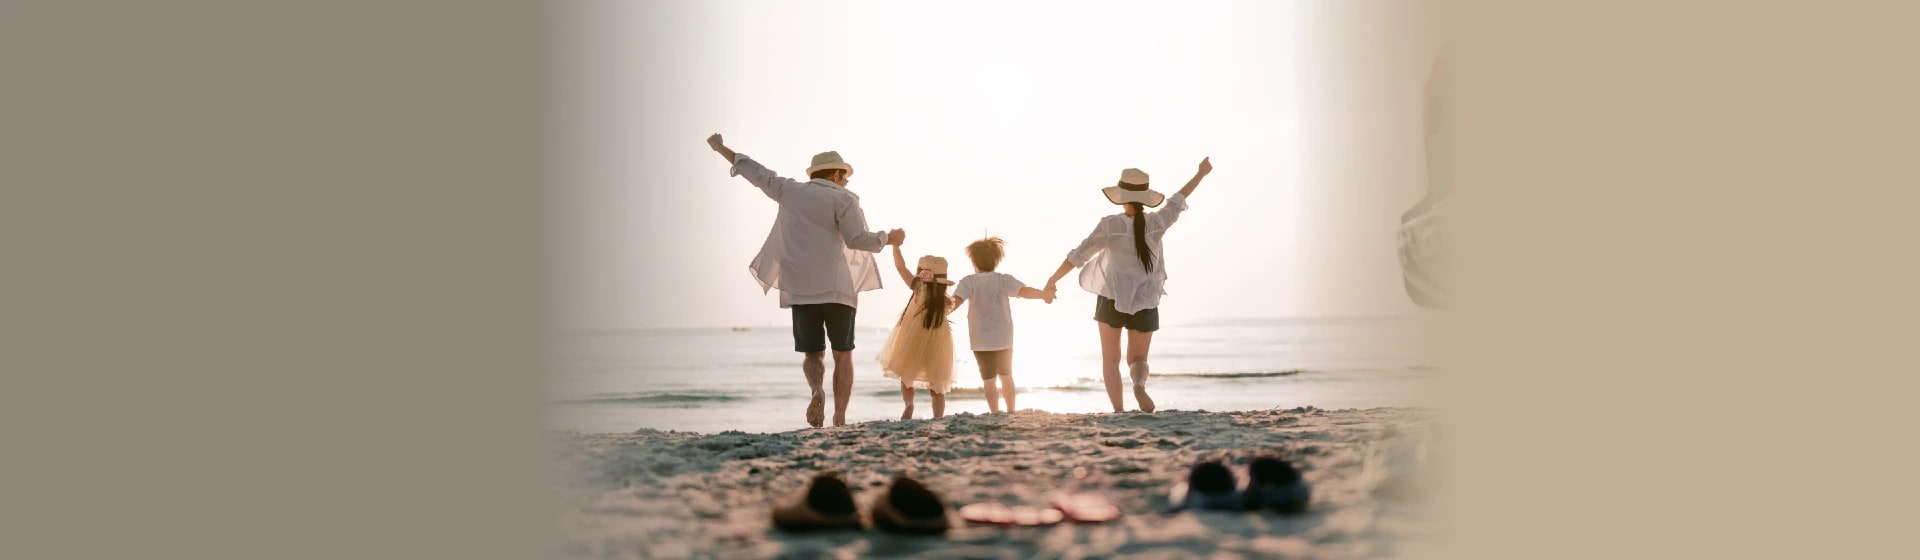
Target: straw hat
(1133, 188)
(938, 266)
(829, 160)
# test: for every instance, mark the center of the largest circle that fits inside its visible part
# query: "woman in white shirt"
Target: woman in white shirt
(1122, 262)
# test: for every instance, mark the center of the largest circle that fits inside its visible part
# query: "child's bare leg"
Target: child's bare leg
(939, 403)
(1110, 364)
(1006, 388)
(906, 395)
(993, 395)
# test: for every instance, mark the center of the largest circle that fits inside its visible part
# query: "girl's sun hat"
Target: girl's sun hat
(934, 269)
(1133, 188)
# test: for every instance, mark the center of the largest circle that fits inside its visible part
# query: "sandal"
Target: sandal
(907, 506)
(1274, 483)
(826, 504)
(996, 513)
(1209, 486)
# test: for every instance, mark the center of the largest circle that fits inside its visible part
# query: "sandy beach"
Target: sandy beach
(654, 494)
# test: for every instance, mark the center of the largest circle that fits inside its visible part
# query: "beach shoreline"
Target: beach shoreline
(651, 493)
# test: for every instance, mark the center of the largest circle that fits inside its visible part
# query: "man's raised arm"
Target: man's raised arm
(761, 177)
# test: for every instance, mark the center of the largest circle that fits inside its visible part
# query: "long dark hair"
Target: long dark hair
(936, 304)
(1140, 236)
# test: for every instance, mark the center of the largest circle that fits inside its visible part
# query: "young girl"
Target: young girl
(919, 351)
(1126, 267)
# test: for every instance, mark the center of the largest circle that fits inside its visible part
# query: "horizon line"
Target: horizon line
(712, 326)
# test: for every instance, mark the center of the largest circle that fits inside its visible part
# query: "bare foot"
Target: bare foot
(839, 420)
(906, 414)
(1140, 394)
(817, 411)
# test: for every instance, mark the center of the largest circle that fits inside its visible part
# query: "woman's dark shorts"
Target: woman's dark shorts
(1145, 320)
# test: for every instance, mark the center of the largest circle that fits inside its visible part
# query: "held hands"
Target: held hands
(896, 237)
(716, 142)
(1049, 292)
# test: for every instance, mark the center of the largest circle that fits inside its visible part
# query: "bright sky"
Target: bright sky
(976, 118)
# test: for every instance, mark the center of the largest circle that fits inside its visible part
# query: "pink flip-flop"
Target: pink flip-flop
(1085, 507)
(996, 513)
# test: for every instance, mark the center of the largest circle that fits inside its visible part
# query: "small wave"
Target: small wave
(1234, 375)
(982, 391)
(675, 400)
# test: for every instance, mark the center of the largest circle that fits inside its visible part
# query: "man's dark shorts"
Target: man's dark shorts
(1145, 320)
(814, 323)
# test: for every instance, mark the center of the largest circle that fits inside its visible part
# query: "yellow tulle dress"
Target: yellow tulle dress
(916, 354)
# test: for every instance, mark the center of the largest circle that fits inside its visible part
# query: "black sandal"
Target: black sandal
(908, 507)
(1274, 483)
(1209, 486)
(827, 504)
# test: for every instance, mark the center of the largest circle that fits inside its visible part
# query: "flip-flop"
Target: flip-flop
(1209, 486)
(907, 506)
(995, 513)
(1274, 483)
(826, 504)
(1085, 507)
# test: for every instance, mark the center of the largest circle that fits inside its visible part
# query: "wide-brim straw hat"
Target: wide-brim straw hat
(829, 160)
(1133, 188)
(937, 265)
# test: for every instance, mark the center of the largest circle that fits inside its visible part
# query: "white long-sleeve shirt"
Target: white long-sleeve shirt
(1109, 265)
(819, 250)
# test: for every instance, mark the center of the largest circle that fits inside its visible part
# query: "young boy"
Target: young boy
(990, 320)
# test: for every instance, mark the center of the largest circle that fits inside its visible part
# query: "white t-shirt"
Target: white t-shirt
(989, 315)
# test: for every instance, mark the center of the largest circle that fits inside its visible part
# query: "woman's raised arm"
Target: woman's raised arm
(1206, 166)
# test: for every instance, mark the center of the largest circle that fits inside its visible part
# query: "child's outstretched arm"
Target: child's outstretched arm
(1030, 293)
(900, 264)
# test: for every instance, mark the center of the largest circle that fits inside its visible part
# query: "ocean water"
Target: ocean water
(718, 379)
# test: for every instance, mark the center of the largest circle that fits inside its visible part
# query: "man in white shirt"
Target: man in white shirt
(820, 256)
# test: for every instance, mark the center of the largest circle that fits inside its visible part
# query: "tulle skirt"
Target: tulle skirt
(918, 355)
